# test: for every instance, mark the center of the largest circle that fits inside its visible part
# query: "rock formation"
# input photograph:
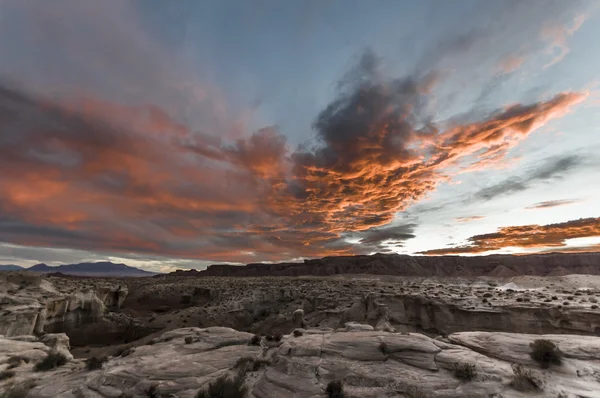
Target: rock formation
(368, 363)
(552, 264)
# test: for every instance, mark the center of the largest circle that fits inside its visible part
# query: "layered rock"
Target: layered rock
(369, 363)
(552, 264)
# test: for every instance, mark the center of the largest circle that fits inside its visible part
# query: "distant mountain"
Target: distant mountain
(11, 267)
(502, 265)
(102, 268)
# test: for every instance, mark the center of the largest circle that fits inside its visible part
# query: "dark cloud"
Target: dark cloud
(551, 169)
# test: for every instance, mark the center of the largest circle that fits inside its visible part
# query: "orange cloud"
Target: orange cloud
(98, 175)
(527, 236)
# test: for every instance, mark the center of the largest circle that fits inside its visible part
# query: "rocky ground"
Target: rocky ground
(367, 363)
(382, 335)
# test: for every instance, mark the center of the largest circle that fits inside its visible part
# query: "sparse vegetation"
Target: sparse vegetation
(545, 353)
(464, 371)
(255, 340)
(225, 387)
(335, 389)
(6, 374)
(18, 391)
(52, 361)
(524, 381)
(227, 343)
(298, 333)
(95, 363)
(152, 391)
(189, 340)
(251, 364)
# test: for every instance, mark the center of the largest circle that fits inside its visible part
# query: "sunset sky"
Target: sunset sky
(176, 134)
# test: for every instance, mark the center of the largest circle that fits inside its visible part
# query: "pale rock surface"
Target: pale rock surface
(370, 363)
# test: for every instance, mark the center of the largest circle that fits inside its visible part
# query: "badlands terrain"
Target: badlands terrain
(290, 336)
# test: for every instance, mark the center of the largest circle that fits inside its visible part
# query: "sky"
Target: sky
(179, 134)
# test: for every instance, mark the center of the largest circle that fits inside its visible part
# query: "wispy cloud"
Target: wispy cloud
(553, 203)
(469, 219)
(557, 36)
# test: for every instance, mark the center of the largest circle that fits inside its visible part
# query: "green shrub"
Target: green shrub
(225, 387)
(464, 371)
(335, 389)
(95, 363)
(545, 353)
(52, 361)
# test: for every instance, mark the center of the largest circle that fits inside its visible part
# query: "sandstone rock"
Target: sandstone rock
(355, 326)
(298, 319)
(302, 366)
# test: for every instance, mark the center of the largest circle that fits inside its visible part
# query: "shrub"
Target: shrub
(95, 363)
(227, 343)
(594, 307)
(15, 362)
(52, 361)
(464, 371)
(255, 340)
(545, 353)
(18, 391)
(278, 337)
(225, 387)
(335, 389)
(189, 340)
(488, 295)
(6, 374)
(152, 391)
(383, 348)
(251, 364)
(298, 333)
(524, 381)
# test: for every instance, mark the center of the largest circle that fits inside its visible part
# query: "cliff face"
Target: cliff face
(401, 265)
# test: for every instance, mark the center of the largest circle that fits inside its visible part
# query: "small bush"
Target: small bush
(524, 381)
(6, 374)
(227, 343)
(335, 389)
(488, 295)
(225, 387)
(545, 353)
(95, 363)
(255, 340)
(152, 391)
(383, 348)
(18, 391)
(298, 333)
(189, 340)
(15, 362)
(594, 307)
(52, 361)
(278, 337)
(251, 364)
(464, 371)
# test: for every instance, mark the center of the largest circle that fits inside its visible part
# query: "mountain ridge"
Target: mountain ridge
(99, 268)
(546, 264)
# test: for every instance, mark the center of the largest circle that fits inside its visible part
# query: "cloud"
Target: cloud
(527, 236)
(468, 219)
(120, 151)
(552, 203)
(556, 35)
(551, 169)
